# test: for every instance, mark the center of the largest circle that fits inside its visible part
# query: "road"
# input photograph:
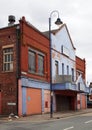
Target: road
(79, 122)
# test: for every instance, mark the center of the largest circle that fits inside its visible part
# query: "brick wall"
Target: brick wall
(81, 66)
(33, 38)
(8, 80)
(30, 37)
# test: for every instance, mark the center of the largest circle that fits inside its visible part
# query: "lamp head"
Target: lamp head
(58, 21)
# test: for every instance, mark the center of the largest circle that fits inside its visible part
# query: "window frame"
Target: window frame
(8, 59)
(37, 53)
(56, 67)
(72, 71)
(30, 53)
(40, 70)
(67, 69)
(63, 71)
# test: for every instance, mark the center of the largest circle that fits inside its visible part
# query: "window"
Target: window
(62, 49)
(40, 64)
(56, 67)
(8, 59)
(65, 50)
(32, 61)
(67, 70)
(36, 62)
(62, 68)
(72, 74)
(78, 86)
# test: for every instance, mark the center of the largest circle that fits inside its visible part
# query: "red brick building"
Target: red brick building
(8, 70)
(81, 77)
(24, 68)
(81, 67)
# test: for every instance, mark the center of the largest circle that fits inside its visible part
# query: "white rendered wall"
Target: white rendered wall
(59, 39)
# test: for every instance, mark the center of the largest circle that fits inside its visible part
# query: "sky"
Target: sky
(76, 14)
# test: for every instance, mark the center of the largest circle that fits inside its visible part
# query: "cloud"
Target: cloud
(76, 14)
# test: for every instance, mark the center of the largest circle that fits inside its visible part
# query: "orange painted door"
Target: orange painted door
(0, 102)
(83, 99)
(33, 101)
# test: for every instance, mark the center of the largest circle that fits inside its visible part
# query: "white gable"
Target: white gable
(80, 83)
(61, 40)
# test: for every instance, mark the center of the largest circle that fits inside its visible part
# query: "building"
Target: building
(81, 68)
(89, 96)
(81, 83)
(24, 69)
(65, 78)
(8, 70)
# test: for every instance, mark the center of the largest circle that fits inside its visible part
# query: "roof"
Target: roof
(54, 32)
(31, 25)
(6, 27)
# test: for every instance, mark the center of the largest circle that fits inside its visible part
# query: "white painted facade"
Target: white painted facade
(61, 40)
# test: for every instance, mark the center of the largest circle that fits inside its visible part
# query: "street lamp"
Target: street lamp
(58, 22)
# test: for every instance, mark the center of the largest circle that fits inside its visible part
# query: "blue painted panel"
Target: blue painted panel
(27, 82)
(54, 102)
(71, 86)
(58, 86)
(23, 100)
(64, 86)
(42, 100)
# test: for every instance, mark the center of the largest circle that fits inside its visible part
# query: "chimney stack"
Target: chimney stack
(11, 20)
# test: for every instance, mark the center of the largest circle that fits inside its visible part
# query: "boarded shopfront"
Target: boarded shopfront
(65, 100)
(31, 101)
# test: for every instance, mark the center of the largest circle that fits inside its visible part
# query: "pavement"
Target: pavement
(45, 117)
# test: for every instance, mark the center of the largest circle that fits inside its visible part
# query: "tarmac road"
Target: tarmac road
(77, 122)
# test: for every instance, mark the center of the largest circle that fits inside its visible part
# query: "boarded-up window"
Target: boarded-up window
(40, 64)
(32, 61)
(36, 62)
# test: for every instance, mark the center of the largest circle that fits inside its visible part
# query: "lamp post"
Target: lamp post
(57, 22)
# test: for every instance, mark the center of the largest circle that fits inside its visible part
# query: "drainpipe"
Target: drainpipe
(80, 101)
(17, 59)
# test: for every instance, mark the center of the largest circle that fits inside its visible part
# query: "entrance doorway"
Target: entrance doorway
(63, 103)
